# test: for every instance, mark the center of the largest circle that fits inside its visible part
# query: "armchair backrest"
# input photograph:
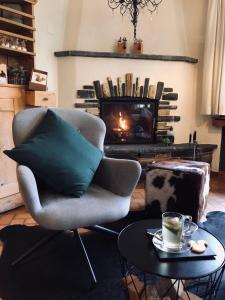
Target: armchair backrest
(92, 127)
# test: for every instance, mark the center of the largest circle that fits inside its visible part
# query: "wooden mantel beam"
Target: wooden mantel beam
(218, 122)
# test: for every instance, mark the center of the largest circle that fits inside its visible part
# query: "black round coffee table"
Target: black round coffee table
(137, 249)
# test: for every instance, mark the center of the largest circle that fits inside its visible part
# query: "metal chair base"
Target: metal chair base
(46, 239)
(34, 248)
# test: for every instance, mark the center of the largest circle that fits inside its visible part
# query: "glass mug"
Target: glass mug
(174, 227)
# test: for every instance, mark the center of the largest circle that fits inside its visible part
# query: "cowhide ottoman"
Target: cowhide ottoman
(177, 185)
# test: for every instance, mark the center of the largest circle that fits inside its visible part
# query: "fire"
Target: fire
(123, 122)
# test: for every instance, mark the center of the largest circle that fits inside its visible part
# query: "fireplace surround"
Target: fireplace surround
(129, 120)
(148, 105)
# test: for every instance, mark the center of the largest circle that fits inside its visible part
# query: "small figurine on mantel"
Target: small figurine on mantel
(137, 46)
(121, 46)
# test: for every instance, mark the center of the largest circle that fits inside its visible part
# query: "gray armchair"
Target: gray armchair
(106, 200)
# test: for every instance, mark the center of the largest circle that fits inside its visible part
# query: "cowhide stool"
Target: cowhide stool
(177, 185)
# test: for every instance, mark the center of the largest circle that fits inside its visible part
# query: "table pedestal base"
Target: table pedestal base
(140, 286)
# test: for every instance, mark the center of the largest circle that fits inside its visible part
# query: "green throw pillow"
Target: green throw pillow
(59, 155)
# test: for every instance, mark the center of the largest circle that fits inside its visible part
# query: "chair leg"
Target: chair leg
(98, 228)
(86, 257)
(39, 244)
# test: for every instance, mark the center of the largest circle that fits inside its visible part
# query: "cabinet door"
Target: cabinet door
(8, 180)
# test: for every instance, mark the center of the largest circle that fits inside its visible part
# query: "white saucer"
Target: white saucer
(157, 242)
(190, 228)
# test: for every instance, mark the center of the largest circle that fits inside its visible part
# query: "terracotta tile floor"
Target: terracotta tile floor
(216, 201)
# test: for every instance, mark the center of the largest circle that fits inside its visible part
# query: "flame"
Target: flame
(123, 122)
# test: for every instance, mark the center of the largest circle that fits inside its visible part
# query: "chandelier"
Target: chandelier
(133, 8)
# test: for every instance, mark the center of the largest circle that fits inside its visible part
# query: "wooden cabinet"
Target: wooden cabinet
(17, 55)
(17, 39)
(11, 101)
(17, 58)
(39, 98)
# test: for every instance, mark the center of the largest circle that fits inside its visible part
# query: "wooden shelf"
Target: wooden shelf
(17, 27)
(19, 1)
(31, 1)
(126, 56)
(20, 36)
(10, 51)
(218, 122)
(18, 22)
(15, 24)
(17, 12)
(13, 85)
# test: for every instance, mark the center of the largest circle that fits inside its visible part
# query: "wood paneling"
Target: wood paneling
(11, 102)
(8, 182)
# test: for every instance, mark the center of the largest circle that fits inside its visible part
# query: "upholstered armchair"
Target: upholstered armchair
(107, 198)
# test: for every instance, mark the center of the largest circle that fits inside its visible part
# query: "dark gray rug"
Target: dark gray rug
(216, 225)
(58, 271)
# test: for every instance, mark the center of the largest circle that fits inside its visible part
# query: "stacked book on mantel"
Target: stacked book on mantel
(88, 99)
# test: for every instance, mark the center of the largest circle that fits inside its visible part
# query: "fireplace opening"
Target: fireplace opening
(129, 120)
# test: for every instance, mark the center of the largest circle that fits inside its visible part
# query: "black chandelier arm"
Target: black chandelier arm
(154, 5)
(114, 4)
(143, 3)
(124, 8)
(154, 2)
(133, 7)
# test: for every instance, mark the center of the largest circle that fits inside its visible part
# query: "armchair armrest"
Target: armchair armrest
(28, 189)
(119, 176)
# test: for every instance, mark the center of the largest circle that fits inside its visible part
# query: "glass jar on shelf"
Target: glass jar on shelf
(16, 44)
(11, 42)
(4, 41)
(23, 45)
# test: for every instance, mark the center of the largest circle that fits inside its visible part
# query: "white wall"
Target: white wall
(177, 29)
(50, 18)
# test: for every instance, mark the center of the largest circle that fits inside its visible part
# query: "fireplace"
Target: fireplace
(129, 120)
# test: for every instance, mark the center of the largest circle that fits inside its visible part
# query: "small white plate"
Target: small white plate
(159, 244)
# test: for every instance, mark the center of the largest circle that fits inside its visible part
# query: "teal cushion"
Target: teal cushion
(59, 155)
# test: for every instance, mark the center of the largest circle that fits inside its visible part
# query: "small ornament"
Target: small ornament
(17, 44)
(4, 42)
(137, 46)
(12, 43)
(121, 45)
(23, 45)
